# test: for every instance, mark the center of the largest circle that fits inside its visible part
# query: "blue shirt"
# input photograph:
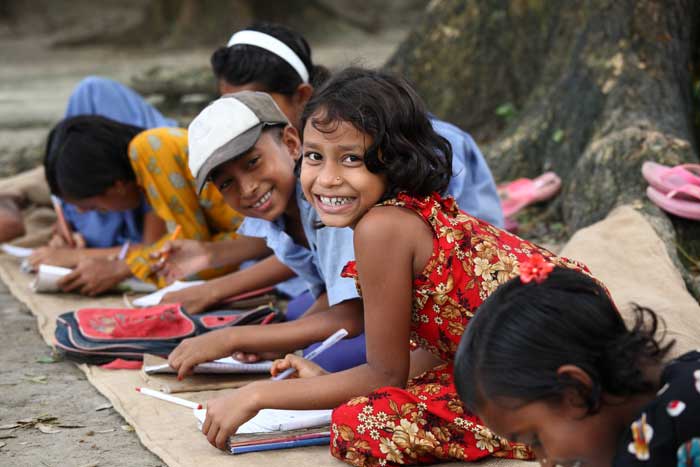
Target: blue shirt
(102, 96)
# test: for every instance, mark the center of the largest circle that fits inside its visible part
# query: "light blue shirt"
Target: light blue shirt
(297, 257)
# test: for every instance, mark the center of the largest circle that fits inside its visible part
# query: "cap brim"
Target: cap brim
(228, 152)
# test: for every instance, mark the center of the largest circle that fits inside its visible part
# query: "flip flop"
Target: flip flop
(687, 208)
(522, 192)
(666, 179)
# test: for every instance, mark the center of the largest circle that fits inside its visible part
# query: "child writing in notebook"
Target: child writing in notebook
(551, 363)
(373, 162)
(96, 163)
(274, 59)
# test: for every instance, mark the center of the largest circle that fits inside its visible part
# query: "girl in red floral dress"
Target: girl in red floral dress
(372, 161)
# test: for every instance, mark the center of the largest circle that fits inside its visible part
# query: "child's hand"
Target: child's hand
(193, 299)
(200, 349)
(181, 258)
(226, 413)
(64, 257)
(304, 367)
(57, 241)
(92, 276)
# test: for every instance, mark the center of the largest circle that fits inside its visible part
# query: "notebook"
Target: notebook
(278, 429)
(221, 366)
(155, 298)
(47, 278)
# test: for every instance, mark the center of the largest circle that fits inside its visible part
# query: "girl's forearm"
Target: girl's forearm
(320, 392)
(294, 335)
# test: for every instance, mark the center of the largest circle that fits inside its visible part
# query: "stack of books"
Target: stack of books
(279, 429)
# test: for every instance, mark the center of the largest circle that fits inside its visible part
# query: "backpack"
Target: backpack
(100, 335)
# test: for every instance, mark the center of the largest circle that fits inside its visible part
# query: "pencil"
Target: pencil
(173, 237)
(169, 398)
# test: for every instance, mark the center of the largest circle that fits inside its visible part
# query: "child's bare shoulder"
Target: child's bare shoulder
(386, 223)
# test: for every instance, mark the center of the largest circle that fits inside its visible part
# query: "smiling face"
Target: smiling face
(560, 433)
(261, 182)
(334, 176)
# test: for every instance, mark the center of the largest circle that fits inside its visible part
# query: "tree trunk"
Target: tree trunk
(588, 89)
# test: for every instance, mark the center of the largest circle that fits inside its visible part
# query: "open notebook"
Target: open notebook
(220, 366)
(47, 278)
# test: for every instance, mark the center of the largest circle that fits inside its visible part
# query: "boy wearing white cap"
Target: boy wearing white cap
(244, 145)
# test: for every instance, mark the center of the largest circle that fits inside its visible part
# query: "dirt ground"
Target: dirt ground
(35, 82)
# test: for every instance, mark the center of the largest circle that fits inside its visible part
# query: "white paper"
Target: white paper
(16, 251)
(156, 297)
(47, 278)
(271, 420)
(228, 365)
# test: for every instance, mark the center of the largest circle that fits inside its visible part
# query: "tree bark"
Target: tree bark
(588, 89)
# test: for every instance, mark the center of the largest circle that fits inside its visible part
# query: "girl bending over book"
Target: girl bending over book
(373, 162)
(96, 163)
(552, 364)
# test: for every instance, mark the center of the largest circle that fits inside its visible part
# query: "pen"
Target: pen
(325, 345)
(123, 252)
(169, 398)
(174, 236)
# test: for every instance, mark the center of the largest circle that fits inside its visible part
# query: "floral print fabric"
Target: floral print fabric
(159, 160)
(426, 422)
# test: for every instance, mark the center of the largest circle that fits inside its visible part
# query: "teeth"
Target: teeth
(335, 200)
(263, 199)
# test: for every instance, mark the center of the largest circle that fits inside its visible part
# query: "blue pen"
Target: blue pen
(320, 441)
(325, 345)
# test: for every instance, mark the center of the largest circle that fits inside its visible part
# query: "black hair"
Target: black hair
(405, 147)
(523, 333)
(86, 155)
(242, 64)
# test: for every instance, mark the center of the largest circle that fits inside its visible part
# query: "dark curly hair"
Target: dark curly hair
(523, 333)
(242, 64)
(405, 147)
(86, 155)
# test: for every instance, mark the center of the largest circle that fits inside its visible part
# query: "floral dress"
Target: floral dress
(426, 422)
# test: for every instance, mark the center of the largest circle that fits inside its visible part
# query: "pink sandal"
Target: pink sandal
(688, 208)
(666, 179)
(523, 192)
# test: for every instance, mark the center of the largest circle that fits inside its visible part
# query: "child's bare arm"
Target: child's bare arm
(267, 272)
(281, 337)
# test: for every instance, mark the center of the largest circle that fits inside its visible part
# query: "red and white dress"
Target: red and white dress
(426, 422)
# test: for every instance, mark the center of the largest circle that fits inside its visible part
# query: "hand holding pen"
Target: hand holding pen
(304, 366)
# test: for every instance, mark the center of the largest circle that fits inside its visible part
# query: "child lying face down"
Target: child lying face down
(552, 364)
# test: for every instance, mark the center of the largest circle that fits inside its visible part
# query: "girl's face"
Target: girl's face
(261, 182)
(291, 106)
(334, 176)
(122, 196)
(560, 433)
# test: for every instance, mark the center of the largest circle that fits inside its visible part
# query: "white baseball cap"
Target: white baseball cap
(227, 128)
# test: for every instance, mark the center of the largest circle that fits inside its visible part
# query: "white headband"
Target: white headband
(271, 44)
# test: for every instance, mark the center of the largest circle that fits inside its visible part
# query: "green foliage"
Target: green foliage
(506, 111)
